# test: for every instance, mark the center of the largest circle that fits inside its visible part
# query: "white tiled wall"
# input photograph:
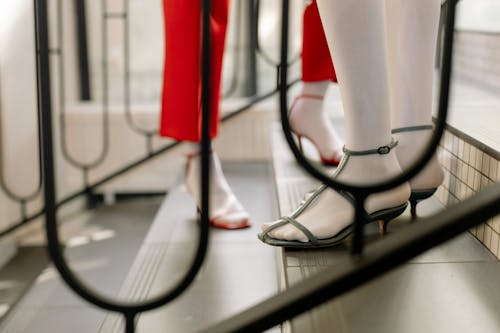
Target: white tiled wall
(468, 169)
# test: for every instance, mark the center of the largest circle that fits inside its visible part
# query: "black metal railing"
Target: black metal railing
(364, 265)
(56, 51)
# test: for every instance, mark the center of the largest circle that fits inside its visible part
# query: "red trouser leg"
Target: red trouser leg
(316, 60)
(181, 100)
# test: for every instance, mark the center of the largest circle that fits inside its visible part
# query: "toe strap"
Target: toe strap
(288, 220)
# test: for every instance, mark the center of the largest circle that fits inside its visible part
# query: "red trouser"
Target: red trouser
(317, 64)
(181, 100)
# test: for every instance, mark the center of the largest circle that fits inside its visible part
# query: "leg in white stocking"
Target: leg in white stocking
(226, 212)
(308, 119)
(358, 28)
(412, 28)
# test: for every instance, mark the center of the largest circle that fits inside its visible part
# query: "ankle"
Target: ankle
(381, 168)
(316, 88)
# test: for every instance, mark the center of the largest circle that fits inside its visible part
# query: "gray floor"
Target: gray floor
(228, 282)
(102, 254)
(226, 285)
(451, 288)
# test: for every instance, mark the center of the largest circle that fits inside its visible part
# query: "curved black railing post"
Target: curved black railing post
(28, 216)
(84, 166)
(80, 11)
(11, 193)
(128, 310)
(206, 60)
(262, 52)
(423, 158)
(147, 133)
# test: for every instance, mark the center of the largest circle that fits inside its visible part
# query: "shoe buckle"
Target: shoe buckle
(384, 150)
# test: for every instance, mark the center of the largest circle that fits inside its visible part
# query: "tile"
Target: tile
(496, 224)
(470, 192)
(454, 165)
(493, 169)
(484, 182)
(498, 171)
(461, 149)
(470, 176)
(494, 243)
(477, 181)
(454, 148)
(463, 191)
(487, 236)
(466, 152)
(460, 168)
(472, 156)
(479, 160)
(453, 185)
(447, 179)
(480, 232)
(485, 167)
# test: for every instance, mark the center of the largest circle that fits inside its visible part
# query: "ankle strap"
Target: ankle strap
(191, 155)
(309, 96)
(412, 128)
(383, 150)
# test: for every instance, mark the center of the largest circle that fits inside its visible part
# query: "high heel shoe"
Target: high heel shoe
(330, 161)
(230, 215)
(381, 216)
(417, 195)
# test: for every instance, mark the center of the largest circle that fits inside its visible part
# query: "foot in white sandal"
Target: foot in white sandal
(226, 212)
(326, 217)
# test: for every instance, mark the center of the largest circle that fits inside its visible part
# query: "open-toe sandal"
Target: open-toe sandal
(382, 216)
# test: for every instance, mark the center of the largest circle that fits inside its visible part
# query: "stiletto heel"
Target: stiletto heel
(381, 217)
(413, 209)
(417, 195)
(301, 148)
(329, 161)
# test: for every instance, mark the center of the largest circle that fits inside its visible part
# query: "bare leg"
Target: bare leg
(412, 28)
(360, 53)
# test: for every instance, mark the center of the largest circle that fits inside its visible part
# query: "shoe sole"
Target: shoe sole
(384, 214)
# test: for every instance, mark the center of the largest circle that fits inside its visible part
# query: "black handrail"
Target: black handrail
(85, 166)
(80, 11)
(383, 255)
(129, 310)
(57, 51)
(23, 199)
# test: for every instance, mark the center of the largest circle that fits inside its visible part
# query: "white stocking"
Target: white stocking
(360, 53)
(412, 28)
(225, 209)
(308, 118)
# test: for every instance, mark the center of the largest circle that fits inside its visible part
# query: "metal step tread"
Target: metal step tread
(227, 283)
(452, 288)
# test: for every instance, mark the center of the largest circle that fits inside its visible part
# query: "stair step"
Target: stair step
(451, 288)
(228, 282)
